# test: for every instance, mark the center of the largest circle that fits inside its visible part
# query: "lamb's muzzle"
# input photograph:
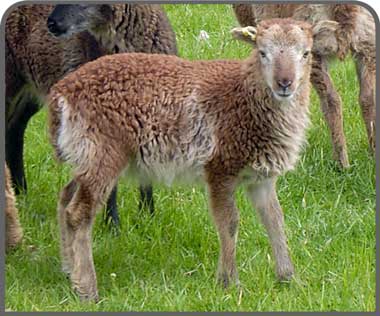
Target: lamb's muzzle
(222, 121)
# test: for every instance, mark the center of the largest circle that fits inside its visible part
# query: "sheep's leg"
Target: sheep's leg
(93, 186)
(67, 255)
(13, 228)
(111, 208)
(14, 156)
(367, 102)
(78, 219)
(146, 201)
(146, 198)
(15, 143)
(226, 218)
(331, 107)
(264, 199)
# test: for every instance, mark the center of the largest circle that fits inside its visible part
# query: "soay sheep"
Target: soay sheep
(13, 230)
(117, 27)
(226, 121)
(356, 34)
(35, 60)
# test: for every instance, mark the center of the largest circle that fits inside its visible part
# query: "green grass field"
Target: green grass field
(168, 262)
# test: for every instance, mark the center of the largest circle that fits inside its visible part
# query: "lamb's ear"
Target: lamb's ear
(325, 28)
(246, 34)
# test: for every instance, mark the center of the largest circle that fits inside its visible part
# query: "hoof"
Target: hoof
(372, 148)
(87, 296)
(14, 241)
(285, 273)
(226, 280)
(343, 160)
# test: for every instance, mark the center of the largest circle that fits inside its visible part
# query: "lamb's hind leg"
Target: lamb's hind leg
(367, 79)
(92, 188)
(111, 208)
(146, 198)
(264, 199)
(146, 202)
(226, 218)
(331, 107)
(66, 238)
(78, 220)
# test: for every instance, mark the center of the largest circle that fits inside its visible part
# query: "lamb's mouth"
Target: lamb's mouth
(283, 95)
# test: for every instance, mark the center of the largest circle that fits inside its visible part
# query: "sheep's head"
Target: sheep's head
(284, 51)
(68, 19)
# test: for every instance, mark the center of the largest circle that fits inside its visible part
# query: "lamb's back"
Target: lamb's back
(122, 81)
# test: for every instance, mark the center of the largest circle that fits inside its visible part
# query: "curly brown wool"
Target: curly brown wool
(227, 122)
(355, 34)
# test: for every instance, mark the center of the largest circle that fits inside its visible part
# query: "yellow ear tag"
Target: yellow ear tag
(253, 36)
(249, 34)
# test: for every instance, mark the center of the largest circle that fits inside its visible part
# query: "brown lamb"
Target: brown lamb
(355, 34)
(13, 230)
(228, 122)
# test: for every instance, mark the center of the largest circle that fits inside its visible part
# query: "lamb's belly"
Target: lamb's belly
(169, 162)
(168, 172)
(251, 176)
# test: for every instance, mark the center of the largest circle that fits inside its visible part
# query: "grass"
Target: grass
(168, 262)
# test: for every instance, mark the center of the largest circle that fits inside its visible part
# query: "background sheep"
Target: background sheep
(13, 230)
(116, 26)
(226, 121)
(35, 60)
(355, 34)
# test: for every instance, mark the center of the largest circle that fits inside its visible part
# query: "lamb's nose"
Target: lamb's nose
(54, 27)
(284, 83)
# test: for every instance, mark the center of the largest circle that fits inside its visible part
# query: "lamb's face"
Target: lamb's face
(68, 19)
(284, 53)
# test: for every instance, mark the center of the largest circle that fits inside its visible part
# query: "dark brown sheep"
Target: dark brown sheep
(35, 60)
(117, 27)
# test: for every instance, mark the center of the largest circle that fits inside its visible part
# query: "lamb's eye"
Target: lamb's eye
(262, 54)
(306, 54)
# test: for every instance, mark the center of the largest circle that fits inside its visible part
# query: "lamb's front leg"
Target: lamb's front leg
(264, 199)
(226, 218)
